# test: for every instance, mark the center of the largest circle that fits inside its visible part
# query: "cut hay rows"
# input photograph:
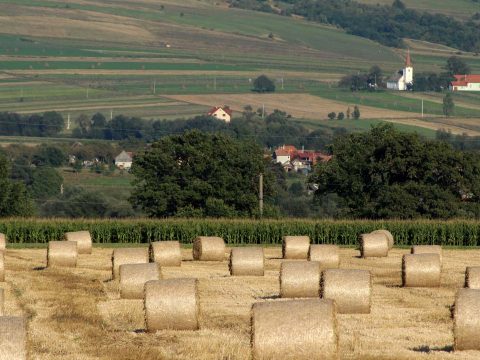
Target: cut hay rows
(421, 270)
(133, 278)
(295, 247)
(2, 266)
(472, 277)
(289, 330)
(171, 305)
(3, 242)
(83, 239)
(2, 302)
(389, 236)
(373, 245)
(247, 261)
(128, 256)
(166, 253)
(350, 289)
(427, 249)
(328, 256)
(62, 253)
(466, 327)
(13, 338)
(208, 248)
(299, 279)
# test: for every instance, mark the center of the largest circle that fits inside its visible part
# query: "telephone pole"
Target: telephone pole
(154, 87)
(260, 194)
(68, 121)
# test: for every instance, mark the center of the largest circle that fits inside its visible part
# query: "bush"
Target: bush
(332, 115)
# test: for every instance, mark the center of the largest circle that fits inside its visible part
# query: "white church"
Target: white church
(403, 80)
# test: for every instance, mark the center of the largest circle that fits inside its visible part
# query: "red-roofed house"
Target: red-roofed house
(221, 113)
(466, 83)
(298, 160)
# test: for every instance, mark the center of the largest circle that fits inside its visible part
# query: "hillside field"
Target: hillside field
(78, 314)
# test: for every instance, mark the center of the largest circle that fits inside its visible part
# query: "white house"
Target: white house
(282, 156)
(403, 80)
(124, 160)
(221, 113)
(466, 83)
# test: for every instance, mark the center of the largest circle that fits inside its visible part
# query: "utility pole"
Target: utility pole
(68, 121)
(282, 83)
(154, 86)
(61, 189)
(87, 92)
(111, 114)
(263, 111)
(214, 83)
(260, 194)
(422, 108)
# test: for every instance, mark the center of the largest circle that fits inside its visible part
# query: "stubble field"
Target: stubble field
(78, 314)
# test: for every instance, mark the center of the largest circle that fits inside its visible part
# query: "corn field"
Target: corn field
(242, 232)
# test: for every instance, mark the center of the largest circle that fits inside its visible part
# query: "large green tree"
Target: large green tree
(456, 66)
(14, 198)
(388, 174)
(199, 174)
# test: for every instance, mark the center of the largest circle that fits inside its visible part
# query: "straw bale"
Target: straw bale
(208, 248)
(328, 256)
(62, 253)
(134, 276)
(2, 302)
(166, 253)
(295, 247)
(472, 277)
(389, 236)
(247, 261)
(13, 338)
(171, 304)
(2, 266)
(466, 323)
(299, 279)
(3, 242)
(373, 245)
(128, 256)
(350, 289)
(83, 239)
(427, 249)
(294, 330)
(421, 270)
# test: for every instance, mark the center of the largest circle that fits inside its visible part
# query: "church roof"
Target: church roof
(408, 60)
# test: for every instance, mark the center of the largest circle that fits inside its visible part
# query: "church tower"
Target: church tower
(408, 71)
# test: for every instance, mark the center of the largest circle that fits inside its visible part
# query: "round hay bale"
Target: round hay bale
(373, 245)
(83, 239)
(62, 253)
(299, 279)
(350, 289)
(13, 338)
(3, 242)
(2, 266)
(2, 302)
(166, 253)
(472, 277)
(328, 256)
(209, 248)
(421, 270)
(466, 324)
(133, 278)
(171, 304)
(427, 249)
(295, 247)
(247, 261)
(389, 236)
(294, 329)
(128, 256)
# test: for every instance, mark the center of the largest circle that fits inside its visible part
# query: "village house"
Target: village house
(466, 83)
(296, 160)
(221, 113)
(403, 80)
(124, 160)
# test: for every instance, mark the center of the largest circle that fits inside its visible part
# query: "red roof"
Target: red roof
(281, 152)
(464, 80)
(408, 61)
(224, 108)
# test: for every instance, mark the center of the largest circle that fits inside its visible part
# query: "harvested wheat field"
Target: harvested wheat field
(77, 313)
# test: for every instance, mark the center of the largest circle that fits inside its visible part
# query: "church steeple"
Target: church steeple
(408, 61)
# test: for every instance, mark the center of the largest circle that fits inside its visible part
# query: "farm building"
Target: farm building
(403, 80)
(466, 83)
(221, 113)
(124, 160)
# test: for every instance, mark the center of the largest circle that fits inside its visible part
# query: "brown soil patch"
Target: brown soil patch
(78, 314)
(298, 105)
